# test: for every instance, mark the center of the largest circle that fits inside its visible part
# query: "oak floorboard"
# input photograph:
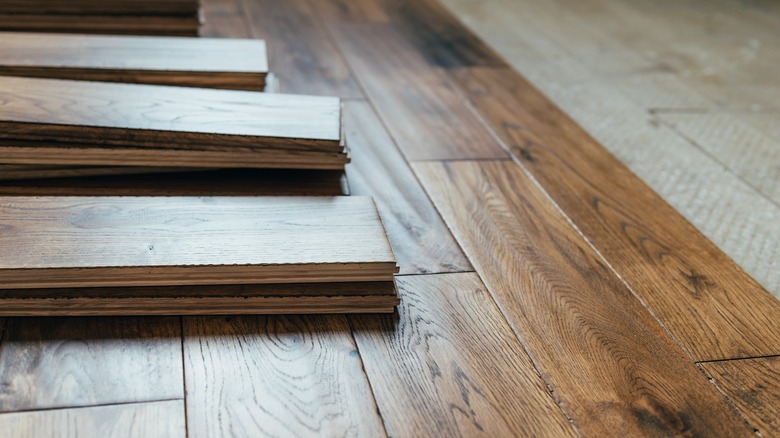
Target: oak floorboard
(754, 387)
(164, 419)
(48, 363)
(276, 376)
(224, 19)
(673, 268)
(300, 52)
(448, 364)
(576, 318)
(419, 237)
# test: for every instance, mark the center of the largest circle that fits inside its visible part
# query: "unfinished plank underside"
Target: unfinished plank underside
(61, 122)
(147, 241)
(239, 64)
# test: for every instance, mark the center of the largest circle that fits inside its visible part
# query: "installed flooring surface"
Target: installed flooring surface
(546, 290)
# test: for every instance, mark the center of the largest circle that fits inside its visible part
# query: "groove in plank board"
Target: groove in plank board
(75, 111)
(419, 237)
(119, 25)
(300, 51)
(449, 365)
(276, 376)
(576, 318)
(229, 182)
(754, 386)
(17, 172)
(50, 363)
(115, 7)
(144, 241)
(59, 55)
(164, 419)
(224, 19)
(420, 107)
(675, 270)
(366, 297)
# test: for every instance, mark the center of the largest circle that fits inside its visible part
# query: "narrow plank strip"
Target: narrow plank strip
(449, 365)
(115, 7)
(276, 376)
(576, 318)
(420, 107)
(16, 172)
(115, 25)
(146, 241)
(160, 419)
(675, 270)
(300, 51)
(419, 237)
(229, 182)
(50, 363)
(754, 386)
(369, 297)
(102, 113)
(204, 62)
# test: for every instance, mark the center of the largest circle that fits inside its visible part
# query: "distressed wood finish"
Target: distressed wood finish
(754, 387)
(276, 376)
(48, 363)
(570, 308)
(448, 365)
(239, 64)
(675, 270)
(304, 298)
(300, 51)
(147, 241)
(419, 237)
(164, 419)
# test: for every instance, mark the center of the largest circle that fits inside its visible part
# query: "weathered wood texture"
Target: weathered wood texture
(419, 237)
(577, 319)
(754, 387)
(674, 269)
(163, 419)
(239, 64)
(50, 363)
(276, 376)
(300, 51)
(448, 365)
(147, 241)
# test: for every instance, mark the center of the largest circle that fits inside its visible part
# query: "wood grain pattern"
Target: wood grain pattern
(675, 270)
(299, 49)
(159, 419)
(145, 241)
(276, 376)
(566, 304)
(420, 107)
(105, 24)
(752, 384)
(448, 365)
(419, 237)
(228, 182)
(239, 64)
(50, 363)
(303, 298)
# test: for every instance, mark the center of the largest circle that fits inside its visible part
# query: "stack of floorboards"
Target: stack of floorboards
(185, 255)
(132, 17)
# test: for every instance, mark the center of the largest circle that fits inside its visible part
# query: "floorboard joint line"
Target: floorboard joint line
(99, 405)
(184, 378)
(365, 373)
(733, 359)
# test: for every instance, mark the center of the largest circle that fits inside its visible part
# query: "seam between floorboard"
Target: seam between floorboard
(184, 378)
(731, 359)
(102, 405)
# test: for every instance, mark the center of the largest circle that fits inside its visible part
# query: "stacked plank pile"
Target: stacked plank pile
(133, 17)
(121, 251)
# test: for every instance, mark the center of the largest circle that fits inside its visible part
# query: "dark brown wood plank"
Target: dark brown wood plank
(224, 19)
(158, 419)
(754, 387)
(300, 52)
(613, 368)
(419, 237)
(276, 376)
(87, 7)
(708, 303)
(106, 24)
(420, 107)
(448, 364)
(228, 182)
(68, 362)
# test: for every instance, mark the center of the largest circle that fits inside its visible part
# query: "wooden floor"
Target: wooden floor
(545, 288)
